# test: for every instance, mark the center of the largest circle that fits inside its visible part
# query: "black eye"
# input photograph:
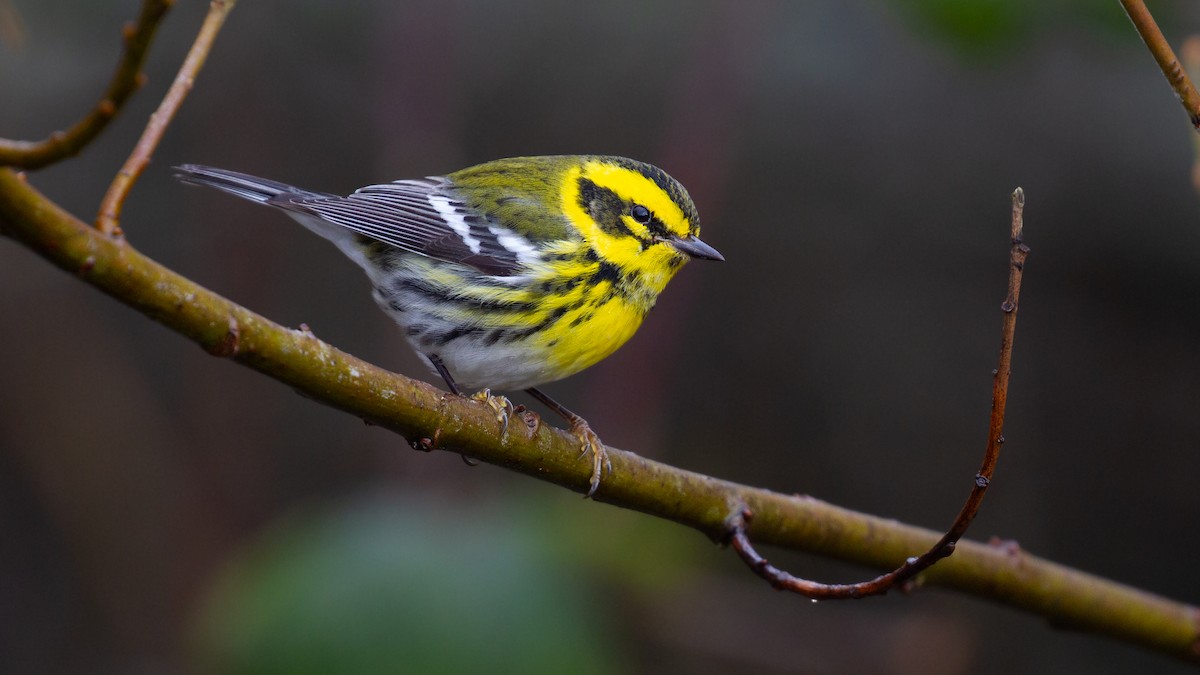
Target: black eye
(640, 213)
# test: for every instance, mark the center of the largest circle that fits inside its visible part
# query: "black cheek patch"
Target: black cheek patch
(604, 206)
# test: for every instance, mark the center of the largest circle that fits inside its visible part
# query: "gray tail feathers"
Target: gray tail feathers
(243, 185)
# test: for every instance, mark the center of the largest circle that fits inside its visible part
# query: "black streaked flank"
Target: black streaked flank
(540, 326)
(439, 294)
(454, 334)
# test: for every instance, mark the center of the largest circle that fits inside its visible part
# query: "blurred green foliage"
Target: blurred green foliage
(980, 30)
(386, 586)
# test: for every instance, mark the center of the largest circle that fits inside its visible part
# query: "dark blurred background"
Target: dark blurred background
(162, 511)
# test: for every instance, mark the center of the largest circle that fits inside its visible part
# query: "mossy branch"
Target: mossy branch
(1002, 573)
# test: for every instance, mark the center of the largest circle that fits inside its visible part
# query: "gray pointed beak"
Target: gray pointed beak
(694, 248)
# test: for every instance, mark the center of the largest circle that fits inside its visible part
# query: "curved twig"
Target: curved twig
(107, 221)
(127, 79)
(945, 546)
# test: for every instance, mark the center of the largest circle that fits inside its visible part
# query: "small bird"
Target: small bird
(509, 274)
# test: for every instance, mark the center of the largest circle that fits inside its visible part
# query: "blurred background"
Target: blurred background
(162, 511)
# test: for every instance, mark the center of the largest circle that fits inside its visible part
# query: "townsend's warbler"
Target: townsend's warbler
(508, 274)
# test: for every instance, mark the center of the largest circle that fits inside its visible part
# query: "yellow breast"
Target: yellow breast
(590, 331)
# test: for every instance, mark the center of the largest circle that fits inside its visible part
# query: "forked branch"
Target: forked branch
(107, 221)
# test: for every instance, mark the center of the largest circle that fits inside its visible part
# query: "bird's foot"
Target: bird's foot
(590, 443)
(499, 404)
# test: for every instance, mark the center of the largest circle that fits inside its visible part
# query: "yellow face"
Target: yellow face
(632, 215)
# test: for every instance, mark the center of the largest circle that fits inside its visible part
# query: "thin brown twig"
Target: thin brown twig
(1161, 50)
(107, 221)
(911, 567)
(127, 79)
(1189, 51)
